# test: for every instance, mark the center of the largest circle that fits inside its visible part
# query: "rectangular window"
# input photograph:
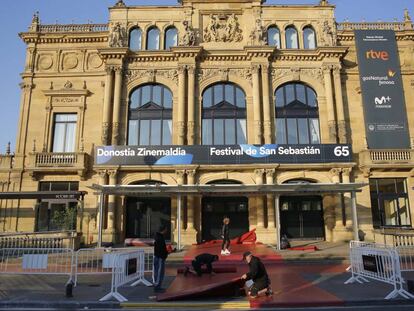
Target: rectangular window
(144, 132)
(241, 131)
(218, 132)
(389, 203)
(166, 132)
(230, 132)
(155, 133)
(133, 133)
(64, 133)
(303, 131)
(292, 131)
(207, 130)
(53, 215)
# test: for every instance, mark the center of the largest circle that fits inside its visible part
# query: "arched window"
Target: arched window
(297, 115)
(291, 38)
(135, 39)
(171, 37)
(273, 36)
(224, 115)
(309, 38)
(150, 116)
(153, 39)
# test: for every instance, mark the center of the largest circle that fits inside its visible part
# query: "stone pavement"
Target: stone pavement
(304, 282)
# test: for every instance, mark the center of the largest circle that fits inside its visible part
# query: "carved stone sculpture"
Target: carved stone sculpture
(117, 37)
(328, 36)
(223, 28)
(189, 37)
(258, 35)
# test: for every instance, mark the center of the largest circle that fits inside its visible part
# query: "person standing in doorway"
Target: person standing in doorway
(225, 236)
(160, 255)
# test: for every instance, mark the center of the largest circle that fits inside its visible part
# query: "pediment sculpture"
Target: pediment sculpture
(223, 28)
(189, 37)
(258, 36)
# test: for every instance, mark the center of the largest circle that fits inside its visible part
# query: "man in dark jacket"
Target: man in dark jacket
(199, 261)
(257, 273)
(160, 255)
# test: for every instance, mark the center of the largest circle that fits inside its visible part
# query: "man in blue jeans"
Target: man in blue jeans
(160, 255)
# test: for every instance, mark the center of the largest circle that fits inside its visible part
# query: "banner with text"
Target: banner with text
(382, 90)
(234, 154)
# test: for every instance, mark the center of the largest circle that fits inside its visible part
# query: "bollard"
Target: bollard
(69, 289)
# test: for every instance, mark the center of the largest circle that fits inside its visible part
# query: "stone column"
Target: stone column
(329, 103)
(106, 118)
(181, 105)
(267, 124)
(270, 200)
(256, 106)
(102, 181)
(190, 234)
(339, 105)
(111, 202)
(334, 210)
(191, 106)
(180, 177)
(259, 200)
(346, 179)
(117, 106)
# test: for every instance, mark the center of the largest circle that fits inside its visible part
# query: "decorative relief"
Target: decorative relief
(224, 73)
(94, 61)
(314, 73)
(328, 35)
(70, 61)
(117, 36)
(68, 85)
(189, 36)
(223, 28)
(45, 62)
(150, 74)
(66, 100)
(258, 35)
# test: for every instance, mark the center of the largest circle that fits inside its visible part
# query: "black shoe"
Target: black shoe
(186, 271)
(269, 292)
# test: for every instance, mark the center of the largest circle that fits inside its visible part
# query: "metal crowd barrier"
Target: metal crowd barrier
(56, 261)
(127, 268)
(406, 257)
(377, 262)
(101, 261)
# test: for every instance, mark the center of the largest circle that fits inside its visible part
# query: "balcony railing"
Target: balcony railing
(55, 162)
(389, 156)
(371, 26)
(74, 28)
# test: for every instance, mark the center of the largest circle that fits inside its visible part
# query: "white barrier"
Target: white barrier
(127, 267)
(377, 262)
(406, 256)
(57, 261)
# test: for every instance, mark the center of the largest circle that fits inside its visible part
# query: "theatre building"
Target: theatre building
(223, 94)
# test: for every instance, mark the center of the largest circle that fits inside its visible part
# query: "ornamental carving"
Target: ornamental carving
(189, 36)
(314, 73)
(258, 35)
(117, 36)
(150, 74)
(223, 28)
(328, 35)
(224, 73)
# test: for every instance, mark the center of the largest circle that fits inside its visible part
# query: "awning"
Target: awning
(43, 195)
(226, 189)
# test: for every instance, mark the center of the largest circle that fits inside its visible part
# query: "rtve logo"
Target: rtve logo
(382, 55)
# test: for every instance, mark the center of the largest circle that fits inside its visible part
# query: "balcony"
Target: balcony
(389, 158)
(58, 162)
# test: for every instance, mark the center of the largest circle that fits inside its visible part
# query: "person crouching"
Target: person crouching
(199, 261)
(257, 273)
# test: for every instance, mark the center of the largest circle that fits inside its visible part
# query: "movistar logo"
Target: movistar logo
(383, 100)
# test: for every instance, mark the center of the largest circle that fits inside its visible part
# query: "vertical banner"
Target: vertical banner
(385, 113)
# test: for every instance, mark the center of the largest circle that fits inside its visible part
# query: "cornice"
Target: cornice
(113, 53)
(30, 37)
(349, 35)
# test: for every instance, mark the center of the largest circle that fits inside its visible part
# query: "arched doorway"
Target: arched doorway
(301, 217)
(144, 215)
(215, 208)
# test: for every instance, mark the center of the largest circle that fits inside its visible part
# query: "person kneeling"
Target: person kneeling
(199, 261)
(257, 273)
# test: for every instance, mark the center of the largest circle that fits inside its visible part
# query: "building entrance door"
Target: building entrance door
(145, 215)
(213, 211)
(302, 217)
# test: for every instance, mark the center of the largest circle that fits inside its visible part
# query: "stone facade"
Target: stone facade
(89, 70)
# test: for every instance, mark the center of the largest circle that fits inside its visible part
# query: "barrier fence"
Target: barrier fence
(127, 268)
(63, 261)
(381, 263)
(57, 261)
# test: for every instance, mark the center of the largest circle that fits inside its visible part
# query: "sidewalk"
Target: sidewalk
(314, 282)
